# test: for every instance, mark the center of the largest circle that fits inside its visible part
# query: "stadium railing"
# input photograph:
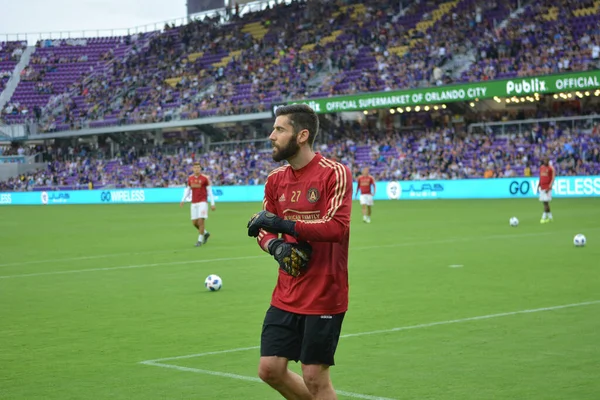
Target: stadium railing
(29, 159)
(260, 144)
(526, 125)
(16, 131)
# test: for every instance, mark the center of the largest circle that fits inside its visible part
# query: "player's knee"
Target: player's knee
(270, 371)
(316, 378)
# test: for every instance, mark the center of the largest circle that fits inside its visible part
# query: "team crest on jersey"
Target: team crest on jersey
(313, 195)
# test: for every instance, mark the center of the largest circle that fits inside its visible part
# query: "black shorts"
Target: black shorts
(310, 339)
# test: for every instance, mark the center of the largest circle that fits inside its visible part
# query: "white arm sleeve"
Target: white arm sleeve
(209, 192)
(186, 193)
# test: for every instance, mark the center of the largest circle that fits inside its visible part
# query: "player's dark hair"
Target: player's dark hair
(301, 117)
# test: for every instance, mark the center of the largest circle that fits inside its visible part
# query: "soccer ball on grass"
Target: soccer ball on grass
(579, 240)
(213, 283)
(514, 222)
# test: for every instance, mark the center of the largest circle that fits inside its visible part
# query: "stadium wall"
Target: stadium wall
(8, 170)
(578, 186)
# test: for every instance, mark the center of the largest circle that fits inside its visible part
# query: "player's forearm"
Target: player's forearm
(332, 230)
(186, 193)
(211, 198)
(264, 238)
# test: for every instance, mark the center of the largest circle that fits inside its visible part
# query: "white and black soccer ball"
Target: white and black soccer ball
(213, 283)
(514, 222)
(579, 240)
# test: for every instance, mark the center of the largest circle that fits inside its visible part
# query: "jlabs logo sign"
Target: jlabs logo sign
(5, 198)
(422, 190)
(123, 196)
(55, 197)
(396, 190)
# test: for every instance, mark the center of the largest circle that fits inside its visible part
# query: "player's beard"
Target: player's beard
(286, 152)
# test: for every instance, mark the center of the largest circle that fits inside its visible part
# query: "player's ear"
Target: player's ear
(302, 136)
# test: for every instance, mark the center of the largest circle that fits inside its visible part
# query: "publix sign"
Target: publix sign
(526, 86)
(552, 84)
(445, 94)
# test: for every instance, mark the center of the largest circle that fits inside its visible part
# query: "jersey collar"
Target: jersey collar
(299, 172)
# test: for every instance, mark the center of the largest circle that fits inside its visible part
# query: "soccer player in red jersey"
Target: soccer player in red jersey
(365, 181)
(309, 202)
(547, 175)
(198, 186)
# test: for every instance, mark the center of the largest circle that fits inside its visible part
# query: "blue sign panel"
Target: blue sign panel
(579, 186)
(576, 186)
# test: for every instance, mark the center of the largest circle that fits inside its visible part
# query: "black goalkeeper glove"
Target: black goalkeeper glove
(293, 258)
(271, 223)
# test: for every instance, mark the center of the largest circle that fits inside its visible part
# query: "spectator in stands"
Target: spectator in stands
(210, 68)
(434, 154)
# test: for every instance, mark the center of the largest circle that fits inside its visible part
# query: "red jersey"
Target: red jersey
(198, 185)
(319, 198)
(546, 176)
(364, 184)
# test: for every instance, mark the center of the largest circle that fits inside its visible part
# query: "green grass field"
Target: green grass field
(438, 296)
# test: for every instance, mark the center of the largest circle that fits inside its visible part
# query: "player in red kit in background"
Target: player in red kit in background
(547, 175)
(198, 186)
(309, 202)
(365, 181)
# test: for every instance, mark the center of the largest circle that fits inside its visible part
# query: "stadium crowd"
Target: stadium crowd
(546, 38)
(10, 53)
(316, 49)
(419, 155)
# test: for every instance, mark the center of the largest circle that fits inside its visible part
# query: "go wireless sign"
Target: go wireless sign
(567, 187)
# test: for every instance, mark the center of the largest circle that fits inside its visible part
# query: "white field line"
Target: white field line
(352, 248)
(452, 240)
(112, 255)
(158, 362)
(76, 271)
(100, 256)
(478, 318)
(253, 379)
(53, 260)
(398, 329)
